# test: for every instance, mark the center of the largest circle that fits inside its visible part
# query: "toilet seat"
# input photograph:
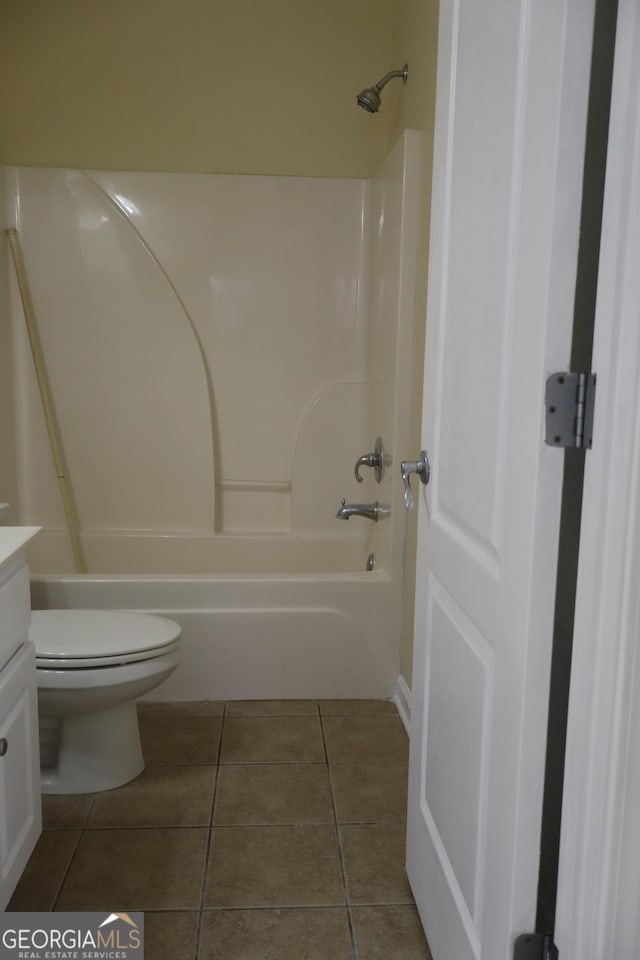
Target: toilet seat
(76, 639)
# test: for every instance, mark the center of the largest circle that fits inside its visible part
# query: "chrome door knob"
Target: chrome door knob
(422, 467)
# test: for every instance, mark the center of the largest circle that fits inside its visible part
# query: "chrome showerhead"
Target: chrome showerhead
(369, 99)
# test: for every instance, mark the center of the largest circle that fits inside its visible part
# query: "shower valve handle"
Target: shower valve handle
(422, 467)
(378, 460)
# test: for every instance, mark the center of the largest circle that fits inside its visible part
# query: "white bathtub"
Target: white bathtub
(258, 637)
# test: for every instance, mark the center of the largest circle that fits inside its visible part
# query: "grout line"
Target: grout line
(207, 854)
(372, 904)
(343, 872)
(267, 763)
(163, 910)
(88, 813)
(65, 872)
(107, 828)
(222, 725)
(269, 907)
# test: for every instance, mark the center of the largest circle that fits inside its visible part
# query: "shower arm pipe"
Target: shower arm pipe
(44, 387)
(389, 76)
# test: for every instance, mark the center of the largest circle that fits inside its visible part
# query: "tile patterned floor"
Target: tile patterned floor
(264, 830)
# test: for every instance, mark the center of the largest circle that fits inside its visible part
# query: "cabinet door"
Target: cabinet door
(20, 812)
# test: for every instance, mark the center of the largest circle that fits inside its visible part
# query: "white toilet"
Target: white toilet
(92, 665)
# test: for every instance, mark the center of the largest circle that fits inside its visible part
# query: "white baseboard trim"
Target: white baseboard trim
(402, 700)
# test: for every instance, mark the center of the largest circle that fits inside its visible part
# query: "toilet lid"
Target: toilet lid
(78, 638)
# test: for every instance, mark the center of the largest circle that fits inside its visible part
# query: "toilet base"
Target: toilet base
(97, 751)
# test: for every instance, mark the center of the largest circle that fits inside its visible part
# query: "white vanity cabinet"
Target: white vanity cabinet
(20, 810)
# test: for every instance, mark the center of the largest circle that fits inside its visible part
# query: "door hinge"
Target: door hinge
(535, 946)
(570, 402)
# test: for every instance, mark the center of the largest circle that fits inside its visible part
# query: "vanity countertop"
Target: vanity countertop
(13, 539)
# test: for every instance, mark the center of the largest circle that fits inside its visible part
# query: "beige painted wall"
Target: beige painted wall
(415, 40)
(234, 86)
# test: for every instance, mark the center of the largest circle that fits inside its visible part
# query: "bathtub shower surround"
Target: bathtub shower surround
(195, 323)
(194, 327)
(221, 350)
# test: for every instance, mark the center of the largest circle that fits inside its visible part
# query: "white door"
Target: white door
(509, 143)
(598, 895)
